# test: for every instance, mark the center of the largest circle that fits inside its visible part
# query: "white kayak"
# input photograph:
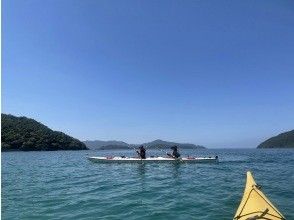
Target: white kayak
(153, 159)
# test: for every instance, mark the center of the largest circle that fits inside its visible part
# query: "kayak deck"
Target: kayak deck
(153, 159)
(255, 205)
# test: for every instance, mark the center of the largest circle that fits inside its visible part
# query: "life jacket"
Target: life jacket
(143, 153)
(176, 154)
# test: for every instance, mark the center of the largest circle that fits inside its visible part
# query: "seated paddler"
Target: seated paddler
(175, 153)
(142, 152)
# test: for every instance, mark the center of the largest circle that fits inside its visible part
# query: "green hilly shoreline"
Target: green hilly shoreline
(25, 134)
(283, 140)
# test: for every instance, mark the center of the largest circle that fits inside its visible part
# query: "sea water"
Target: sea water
(65, 185)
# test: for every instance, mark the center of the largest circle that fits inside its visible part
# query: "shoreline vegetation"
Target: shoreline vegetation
(283, 140)
(26, 134)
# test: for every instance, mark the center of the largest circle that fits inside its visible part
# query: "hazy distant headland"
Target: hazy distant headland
(25, 134)
(283, 140)
(120, 145)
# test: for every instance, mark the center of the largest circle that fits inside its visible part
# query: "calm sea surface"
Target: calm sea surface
(65, 185)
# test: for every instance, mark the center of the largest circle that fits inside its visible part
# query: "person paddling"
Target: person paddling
(142, 152)
(175, 153)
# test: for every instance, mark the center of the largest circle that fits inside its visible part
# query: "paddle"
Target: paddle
(139, 152)
(176, 158)
(170, 155)
(131, 147)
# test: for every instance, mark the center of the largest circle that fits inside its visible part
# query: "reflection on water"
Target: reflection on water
(142, 169)
(175, 170)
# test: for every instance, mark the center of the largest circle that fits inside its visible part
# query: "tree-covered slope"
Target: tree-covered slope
(283, 140)
(25, 134)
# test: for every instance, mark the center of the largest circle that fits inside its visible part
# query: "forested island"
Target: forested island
(25, 134)
(119, 145)
(283, 140)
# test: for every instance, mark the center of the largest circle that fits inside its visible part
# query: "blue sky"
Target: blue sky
(216, 73)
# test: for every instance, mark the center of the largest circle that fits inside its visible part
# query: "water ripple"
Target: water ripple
(64, 185)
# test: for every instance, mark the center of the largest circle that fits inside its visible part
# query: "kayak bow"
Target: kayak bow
(255, 205)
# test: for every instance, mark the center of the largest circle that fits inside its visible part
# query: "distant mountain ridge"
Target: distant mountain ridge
(26, 134)
(103, 145)
(98, 143)
(168, 144)
(283, 140)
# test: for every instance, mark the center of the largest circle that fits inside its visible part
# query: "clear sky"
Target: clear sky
(216, 73)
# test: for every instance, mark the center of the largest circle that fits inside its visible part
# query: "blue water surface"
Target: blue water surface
(65, 185)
